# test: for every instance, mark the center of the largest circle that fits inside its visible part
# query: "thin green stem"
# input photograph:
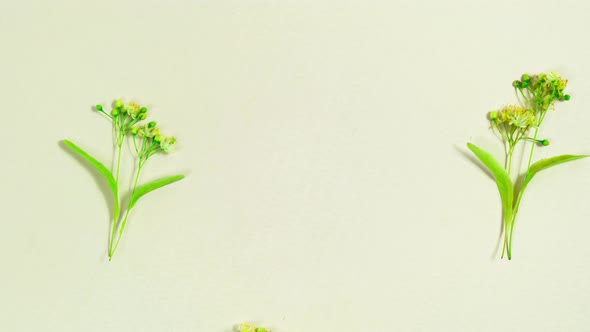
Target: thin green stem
(525, 97)
(521, 192)
(113, 227)
(533, 143)
(140, 165)
(144, 147)
(120, 234)
(120, 148)
(510, 153)
(105, 113)
(135, 145)
(514, 213)
(118, 134)
(505, 239)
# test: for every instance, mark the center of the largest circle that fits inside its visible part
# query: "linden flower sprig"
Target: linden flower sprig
(147, 141)
(250, 328)
(514, 123)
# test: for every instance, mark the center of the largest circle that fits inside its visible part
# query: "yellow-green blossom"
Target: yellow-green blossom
(514, 115)
(250, 328)
(167, 144)
(148, 130)
(543, 90)
(132, 109)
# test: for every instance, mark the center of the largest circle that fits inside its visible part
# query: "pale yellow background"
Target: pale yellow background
(328, 187)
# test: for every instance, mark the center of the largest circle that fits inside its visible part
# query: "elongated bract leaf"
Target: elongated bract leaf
(151, 186)
(546, 163)
(536, 168)
(502, 178)
(102, 169)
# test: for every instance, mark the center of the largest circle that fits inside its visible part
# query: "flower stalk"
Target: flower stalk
(148, 141)
(539, 94)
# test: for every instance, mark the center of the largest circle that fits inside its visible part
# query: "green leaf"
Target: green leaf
(546, 163)
(532, 171)
(151, 186)
(500, 175)
(102, 169)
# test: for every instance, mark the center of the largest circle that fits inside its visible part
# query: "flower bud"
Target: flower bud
(142, 116)
(99, 107)
(151, 124)
(134, 131)
(494, 115)
(159, 138)
(115, 112)
(118, 103)
(525, 78)
(566, 97)
(143, 110)
(516, 84)
(544, 142)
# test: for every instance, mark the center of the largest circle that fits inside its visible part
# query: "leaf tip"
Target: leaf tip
(471, 146)
(68, 143)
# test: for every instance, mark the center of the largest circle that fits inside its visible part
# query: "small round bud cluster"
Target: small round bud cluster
(494, 115)
(126, 118)
(516, 84)
(544, 89)
(119, 109)
(525, 82)
(126, 115)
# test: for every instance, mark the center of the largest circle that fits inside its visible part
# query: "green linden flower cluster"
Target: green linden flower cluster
(147, 141)
(125, 118)
(513, 123)
(250, 328)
